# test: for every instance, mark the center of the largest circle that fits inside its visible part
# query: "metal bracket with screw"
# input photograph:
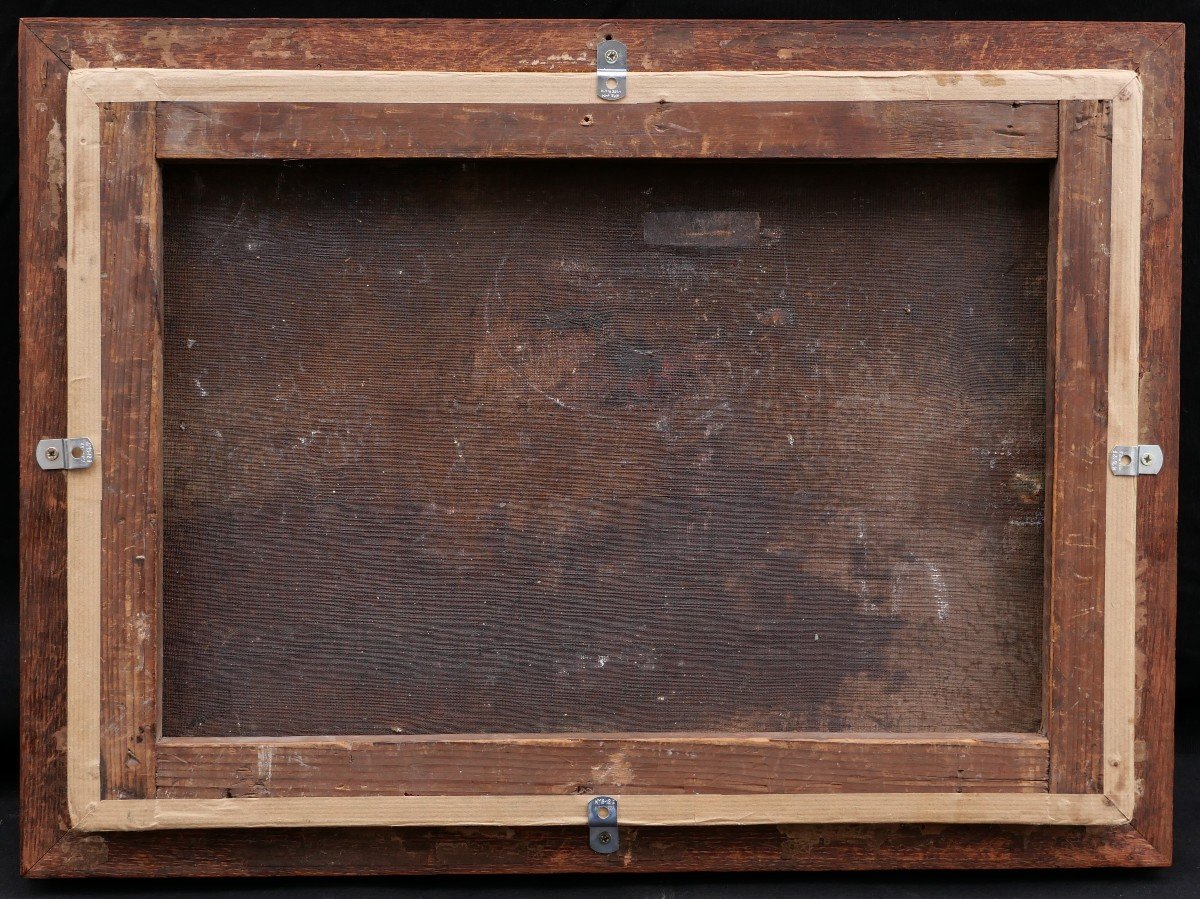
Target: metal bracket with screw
(1127, 461)
(602, 825)
(612, 60)
(69, 452)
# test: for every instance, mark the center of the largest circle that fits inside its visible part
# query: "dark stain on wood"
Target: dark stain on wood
(452, 448)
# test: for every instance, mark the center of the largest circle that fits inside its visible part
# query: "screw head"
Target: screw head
(604, 837)
(51, 453)
(611, 56)
(1147, 458)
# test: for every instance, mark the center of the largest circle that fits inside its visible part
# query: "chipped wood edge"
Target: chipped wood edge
(88, 87)
(1120, 536)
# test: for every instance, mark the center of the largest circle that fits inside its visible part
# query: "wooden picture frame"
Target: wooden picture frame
(102, 792)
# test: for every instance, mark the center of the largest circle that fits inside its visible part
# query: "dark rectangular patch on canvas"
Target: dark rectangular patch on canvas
(701, 228)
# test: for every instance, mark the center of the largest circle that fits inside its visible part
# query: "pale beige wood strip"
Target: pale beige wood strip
(1120, 587)
(519, 811)
(134, 85)
(84, 409)
(84, 486)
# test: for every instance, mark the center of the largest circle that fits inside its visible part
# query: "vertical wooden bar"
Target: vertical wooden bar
(43, 367)
(1120, 539)
(1077, 462)
(131, 379)
(85, 486)
(1158, 422)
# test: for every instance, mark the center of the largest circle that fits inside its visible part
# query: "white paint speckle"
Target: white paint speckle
(266, 760)
(940, 592)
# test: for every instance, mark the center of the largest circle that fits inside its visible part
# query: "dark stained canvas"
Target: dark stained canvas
(593, 446)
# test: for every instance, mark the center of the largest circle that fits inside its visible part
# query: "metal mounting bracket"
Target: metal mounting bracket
(602, 824)
(68, 452)
(612, 61)
(1145, 458)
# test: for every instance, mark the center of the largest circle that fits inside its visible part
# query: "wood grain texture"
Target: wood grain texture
(131, 378)
(569, 45)
(1158, 411)
(602, 485)
(1120, 528)
(576, 88)
(1078, 463)
(43, 522)
(501, 850)
(646, 809)
(198, 769)
(85, 494)
(916, 130)
(1155, 49)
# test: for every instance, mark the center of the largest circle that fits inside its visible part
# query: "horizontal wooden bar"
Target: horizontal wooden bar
(134, 85)
(196, 768)
(815, 130)
(652, 810)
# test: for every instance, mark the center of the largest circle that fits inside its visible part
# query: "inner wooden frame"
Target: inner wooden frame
(106, 138)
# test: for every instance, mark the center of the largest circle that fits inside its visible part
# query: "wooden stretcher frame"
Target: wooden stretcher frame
(120, 122)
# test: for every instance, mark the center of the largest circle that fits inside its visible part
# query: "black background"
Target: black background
(1183, 879)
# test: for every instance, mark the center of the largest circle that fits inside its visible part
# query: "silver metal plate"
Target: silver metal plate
(602, 824)
(612, 61)
(72, 452)
(1127, 461)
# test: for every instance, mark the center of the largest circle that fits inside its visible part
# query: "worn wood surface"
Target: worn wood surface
(43, 375)
(1158, 411)
(131, 378)
(579, 88)
(642, 809)
(500, 850)
(569, 45)
(190, 768)
(1077, 472)
(1120, 527)
(1154, 49)
(466, 430)
(918, 130)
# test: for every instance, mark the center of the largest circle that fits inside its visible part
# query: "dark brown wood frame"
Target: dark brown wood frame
(1075, 741)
